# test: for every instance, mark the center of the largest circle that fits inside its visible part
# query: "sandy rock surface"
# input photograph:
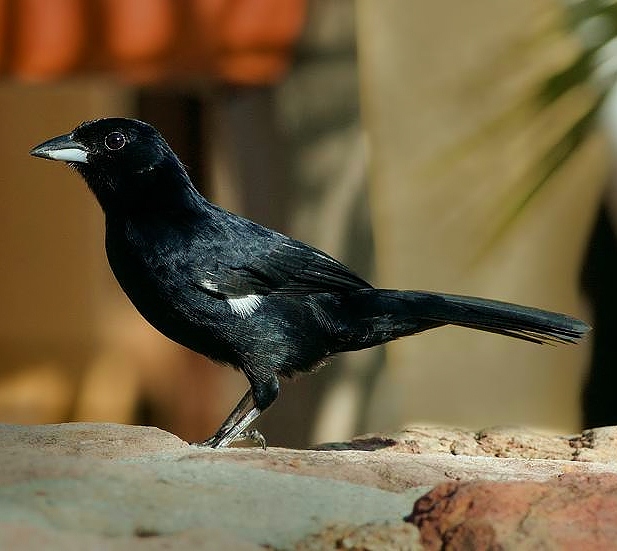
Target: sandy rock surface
(116, 487)
(572, 511)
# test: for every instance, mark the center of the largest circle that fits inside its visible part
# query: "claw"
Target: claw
(209, 443)
(254, 436)
(251, 435)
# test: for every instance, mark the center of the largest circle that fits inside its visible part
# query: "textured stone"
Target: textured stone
(593, 445)
(392, 536)
(117, 487)
(26, 537)
(87, 485)
(569, 512)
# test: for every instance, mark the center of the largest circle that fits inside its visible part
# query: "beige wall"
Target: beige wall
(72, 347)
(54, 282)
(460, 141)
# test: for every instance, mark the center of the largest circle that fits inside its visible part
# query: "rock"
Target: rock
(389, 536)
(116, 487)
(572, 511)
(95, 440)
(599, 445)
(493, 442)
(83, 485)
(593, 445)
(21, 536)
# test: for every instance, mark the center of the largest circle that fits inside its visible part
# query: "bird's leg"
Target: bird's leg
(261, 394)
(229, 431)
(237, 431)
(233, 417)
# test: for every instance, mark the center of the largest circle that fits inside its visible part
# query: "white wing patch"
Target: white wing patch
(244, 306)
(209, 285)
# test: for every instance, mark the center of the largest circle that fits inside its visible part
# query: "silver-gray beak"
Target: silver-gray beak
(61, 148)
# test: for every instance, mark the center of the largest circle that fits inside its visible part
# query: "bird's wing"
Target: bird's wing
(281, 266)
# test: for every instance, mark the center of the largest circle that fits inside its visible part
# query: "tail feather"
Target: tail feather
(523, 322)
(410, 312)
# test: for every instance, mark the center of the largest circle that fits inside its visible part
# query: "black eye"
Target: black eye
(115, 140)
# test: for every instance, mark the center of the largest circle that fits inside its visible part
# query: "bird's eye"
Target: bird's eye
(115, 140)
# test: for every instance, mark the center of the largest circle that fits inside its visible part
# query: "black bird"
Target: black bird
(242, 294)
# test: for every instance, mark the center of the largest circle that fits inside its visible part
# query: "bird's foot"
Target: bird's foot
(218, 440)
(254, 436)
(209, 443)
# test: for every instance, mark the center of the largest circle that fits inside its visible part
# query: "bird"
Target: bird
(244, 295)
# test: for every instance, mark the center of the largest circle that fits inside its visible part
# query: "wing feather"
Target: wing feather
(284, 266)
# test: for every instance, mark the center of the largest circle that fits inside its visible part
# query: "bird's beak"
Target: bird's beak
(61, 148)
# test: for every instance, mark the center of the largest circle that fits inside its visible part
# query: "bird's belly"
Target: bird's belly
(177, 309)
(280, 334)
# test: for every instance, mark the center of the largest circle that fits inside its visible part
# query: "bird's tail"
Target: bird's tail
(399, 313)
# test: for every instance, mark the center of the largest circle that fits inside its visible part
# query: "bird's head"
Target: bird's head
(123, 161)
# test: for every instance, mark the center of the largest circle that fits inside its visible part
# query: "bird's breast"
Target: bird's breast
(155, 276)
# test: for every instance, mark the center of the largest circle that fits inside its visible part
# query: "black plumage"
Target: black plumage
(240, 293)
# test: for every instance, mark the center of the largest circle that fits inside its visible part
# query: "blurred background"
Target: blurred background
(465, 147)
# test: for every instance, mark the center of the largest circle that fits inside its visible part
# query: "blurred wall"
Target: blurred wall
(72, 347)
(481, 183)
(54, 280)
